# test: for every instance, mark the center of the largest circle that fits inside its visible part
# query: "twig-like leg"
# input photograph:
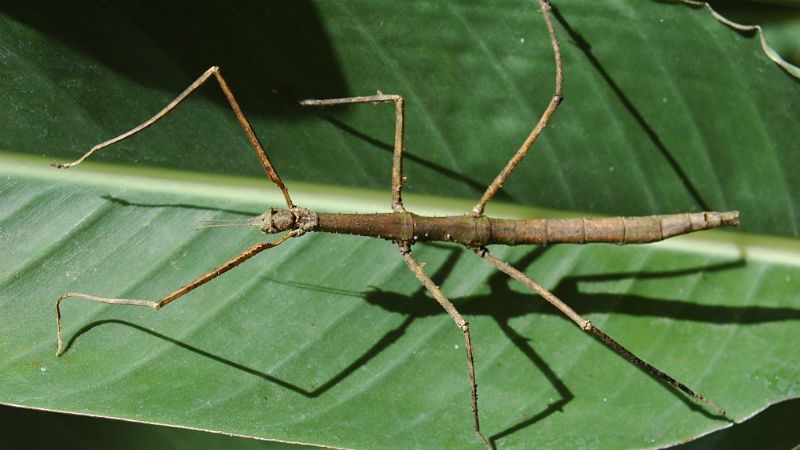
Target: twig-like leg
(551, 107)
(462, 324)
(588, 327)
(169, 298)
(237, 110)
(399, 127)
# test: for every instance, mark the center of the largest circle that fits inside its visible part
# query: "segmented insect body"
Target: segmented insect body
(479, 231)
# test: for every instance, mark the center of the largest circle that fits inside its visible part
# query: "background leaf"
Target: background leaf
(329, 340)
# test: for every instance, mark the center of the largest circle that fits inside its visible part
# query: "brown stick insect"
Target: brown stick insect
(473, 230)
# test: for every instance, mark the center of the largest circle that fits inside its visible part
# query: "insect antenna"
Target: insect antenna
(251, 222)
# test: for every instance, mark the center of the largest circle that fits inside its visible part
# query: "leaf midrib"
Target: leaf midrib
(322, 197)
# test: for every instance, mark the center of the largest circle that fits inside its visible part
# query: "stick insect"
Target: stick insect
(473, 230)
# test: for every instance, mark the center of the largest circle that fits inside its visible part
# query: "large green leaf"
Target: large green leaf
(328, 340)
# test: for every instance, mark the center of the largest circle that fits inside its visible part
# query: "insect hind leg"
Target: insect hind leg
(591, 329)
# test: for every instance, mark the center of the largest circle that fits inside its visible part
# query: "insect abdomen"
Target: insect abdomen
(616, 230)
(479, 231)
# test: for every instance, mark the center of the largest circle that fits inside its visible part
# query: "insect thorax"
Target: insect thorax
(276, 220)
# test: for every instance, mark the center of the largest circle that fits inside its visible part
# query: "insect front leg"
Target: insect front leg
(237, 111)
(399, 132)
(171, 297)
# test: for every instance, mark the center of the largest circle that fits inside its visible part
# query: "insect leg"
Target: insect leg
(171, 297)
(237, 110)
(537, 129)
(399, 127)
(588, 327)
(462, 324)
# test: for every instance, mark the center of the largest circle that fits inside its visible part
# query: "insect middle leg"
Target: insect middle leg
(237, 110)
(399, 131)
(462, 324)
(171, 297)
(590, 328)
(497, 183)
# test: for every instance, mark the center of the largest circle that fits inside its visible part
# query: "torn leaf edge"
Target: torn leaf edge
(790, 68)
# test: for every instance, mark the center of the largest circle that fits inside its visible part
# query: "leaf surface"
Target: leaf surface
(329, 340)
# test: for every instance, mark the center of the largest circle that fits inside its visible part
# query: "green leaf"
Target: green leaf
(329, 340)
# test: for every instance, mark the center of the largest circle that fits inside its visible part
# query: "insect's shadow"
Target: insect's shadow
(583, 45)
(503, 304)
(472, 183)
(123, 202)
